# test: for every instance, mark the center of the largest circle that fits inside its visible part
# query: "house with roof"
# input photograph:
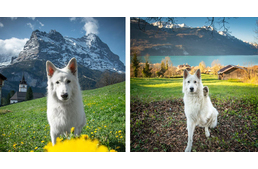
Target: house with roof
(2, 79)
(231, 72)
(21, 94)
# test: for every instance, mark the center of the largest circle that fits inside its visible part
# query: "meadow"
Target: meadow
(158, 122)
(24, 126)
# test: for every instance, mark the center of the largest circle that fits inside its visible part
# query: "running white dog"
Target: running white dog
(64, 101)
(198, 107)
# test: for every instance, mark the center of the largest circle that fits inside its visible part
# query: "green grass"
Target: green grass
(157, 89)
(24, 126)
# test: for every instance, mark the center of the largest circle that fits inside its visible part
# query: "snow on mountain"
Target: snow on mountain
(89, 51)
(164, 24)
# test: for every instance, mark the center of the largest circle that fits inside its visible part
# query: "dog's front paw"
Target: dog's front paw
(205, 90)
(188, 149)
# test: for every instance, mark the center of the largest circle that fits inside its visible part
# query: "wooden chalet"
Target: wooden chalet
(231, 72)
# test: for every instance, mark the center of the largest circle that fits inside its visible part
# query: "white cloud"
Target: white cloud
(91, 25)
(12, 47)
(72, 18)
(40, 23)
(31, 26)
(1, 25)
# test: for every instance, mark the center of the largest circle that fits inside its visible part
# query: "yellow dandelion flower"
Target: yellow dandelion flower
(84, 136)
(119, 131)
(121, 136)
(113, 150)
(95, 131)
(116, 136)
(42, 141)
(105, 126)
(22, 143)
(3, 134)
(91, 133)
(117, 147)
(76, 145)
(36, 148)
(31, 151)
(72, 129)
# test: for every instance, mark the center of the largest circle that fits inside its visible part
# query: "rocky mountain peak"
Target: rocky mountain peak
(89, 51)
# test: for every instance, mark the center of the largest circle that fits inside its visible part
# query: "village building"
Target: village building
(21, 95)
(2, 79)
(231, 72)
(180, 68)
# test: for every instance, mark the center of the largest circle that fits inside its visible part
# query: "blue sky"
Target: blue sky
(240, 27)
(111, 30)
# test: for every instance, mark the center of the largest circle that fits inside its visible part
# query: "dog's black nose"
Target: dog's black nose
(191, 89)
(64, 96)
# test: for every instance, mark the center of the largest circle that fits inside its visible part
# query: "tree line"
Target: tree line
(166, 69)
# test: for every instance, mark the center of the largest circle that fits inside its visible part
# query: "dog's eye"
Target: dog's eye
(188, 82)
(194, 81)
(57, 82)
(68, 81)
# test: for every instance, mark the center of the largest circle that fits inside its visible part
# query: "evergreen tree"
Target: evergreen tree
(147, 70)
(136, 65)
(163, 69)
(29, 94)
(8, 99)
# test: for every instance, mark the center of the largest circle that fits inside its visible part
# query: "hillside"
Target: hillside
(24, 125)
(184, 40)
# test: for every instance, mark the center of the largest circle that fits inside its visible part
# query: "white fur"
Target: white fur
(198, 107)
(63, 113)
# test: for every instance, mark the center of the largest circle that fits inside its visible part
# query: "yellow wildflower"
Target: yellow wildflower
(3, 134)
(22, 143)
(76, 145)
(42, 141)
(85, 136)
(72, 129)
(36, 148)
(113, 150)
(121, 136)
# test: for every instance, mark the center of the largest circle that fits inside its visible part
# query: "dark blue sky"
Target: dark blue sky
(111, 30)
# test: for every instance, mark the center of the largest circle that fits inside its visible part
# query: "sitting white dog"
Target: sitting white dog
(198, 107)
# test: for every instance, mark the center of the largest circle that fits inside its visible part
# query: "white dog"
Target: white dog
(198, 107)
(64, 101)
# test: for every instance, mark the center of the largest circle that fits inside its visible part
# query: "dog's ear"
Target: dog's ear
(50, 68)
(186, 73)
(198, 74)
(72, 66)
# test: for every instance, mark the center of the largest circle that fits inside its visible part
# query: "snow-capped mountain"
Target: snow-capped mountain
(6, 60)
(163, 24)
(89, 51)
(183, 40)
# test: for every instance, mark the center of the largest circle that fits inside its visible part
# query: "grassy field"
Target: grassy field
(154, 89)
(24, 125)
(158, 122)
